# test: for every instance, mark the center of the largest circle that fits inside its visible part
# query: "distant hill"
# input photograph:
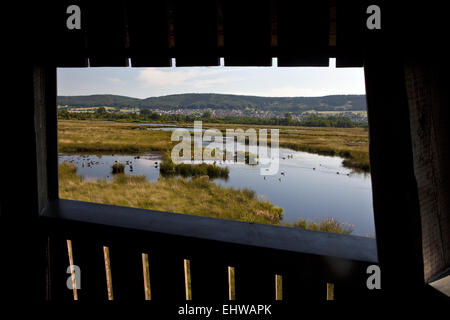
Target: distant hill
(221, 101)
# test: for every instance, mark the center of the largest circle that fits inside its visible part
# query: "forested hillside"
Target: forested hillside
(221, 101)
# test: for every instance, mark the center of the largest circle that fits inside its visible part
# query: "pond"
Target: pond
(307, 185)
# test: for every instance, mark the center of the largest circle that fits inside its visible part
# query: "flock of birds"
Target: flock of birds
(86, 161)
(291, 156)
(128, 163)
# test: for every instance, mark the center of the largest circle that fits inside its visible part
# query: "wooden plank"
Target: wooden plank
(428, 98)
(247, 33)
(51, 134)
(58, 264)
(88, 256)
(196, 33)
(394, 188)
(23, 240)
(189, 228)
(107, 35)
(68, 46)
(148, 33)
(350, 27)
(303, 33)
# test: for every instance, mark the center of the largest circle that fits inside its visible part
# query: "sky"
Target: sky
(256, 81)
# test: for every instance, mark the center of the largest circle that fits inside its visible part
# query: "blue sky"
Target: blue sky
(259, 81)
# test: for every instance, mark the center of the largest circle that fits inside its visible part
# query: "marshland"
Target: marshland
(322, 183)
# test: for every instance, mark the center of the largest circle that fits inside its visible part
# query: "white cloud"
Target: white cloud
(115, 80)
(193, 77)
(288, 91)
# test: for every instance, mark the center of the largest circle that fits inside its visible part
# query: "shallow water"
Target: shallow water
(306, 186)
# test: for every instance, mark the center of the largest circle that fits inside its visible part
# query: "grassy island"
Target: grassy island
(196, 196)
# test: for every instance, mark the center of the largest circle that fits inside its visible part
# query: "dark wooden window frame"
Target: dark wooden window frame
(190, 237)
(305, 258)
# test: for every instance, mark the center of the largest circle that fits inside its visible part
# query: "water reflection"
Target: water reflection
(307, 185)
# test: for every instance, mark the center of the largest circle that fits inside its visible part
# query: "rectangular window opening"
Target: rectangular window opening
(119, 130)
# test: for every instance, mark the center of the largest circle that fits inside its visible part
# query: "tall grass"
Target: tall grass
(352, 144)
(190, 196)
(96, 136)
(326, 225)
(195, 196)
(118, 168)
(169, 168)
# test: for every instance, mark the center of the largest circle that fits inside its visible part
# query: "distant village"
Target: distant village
(356, 116)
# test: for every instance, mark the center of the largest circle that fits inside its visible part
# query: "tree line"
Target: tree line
(146, 115)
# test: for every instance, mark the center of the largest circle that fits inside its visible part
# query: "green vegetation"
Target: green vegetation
(145, 115)
(326, 225)
(195, 196)
(97, 136)
(169, 168)
(221, 101)
(352, 144)
(311, 121)
(118, 168)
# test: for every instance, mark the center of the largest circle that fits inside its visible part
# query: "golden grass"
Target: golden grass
(97, 136)
(197, 196)
(325, 225)
(352, 144)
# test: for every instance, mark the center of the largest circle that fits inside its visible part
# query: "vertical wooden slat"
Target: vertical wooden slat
(231, 283)
(395, 201)
(303, 33)
(106, 33)
(58, 264)
(247, 33)
(88, 256)
(350, 26)
(330, 291)
(68, 46)
(109, 284)
(187, 279)
(332, 24)
(278, 287)
(148, 33)
(51, 116)
(73, 271)
(196, 29)
(146, 273)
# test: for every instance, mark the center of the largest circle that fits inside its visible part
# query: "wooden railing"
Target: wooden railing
(308, 265)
